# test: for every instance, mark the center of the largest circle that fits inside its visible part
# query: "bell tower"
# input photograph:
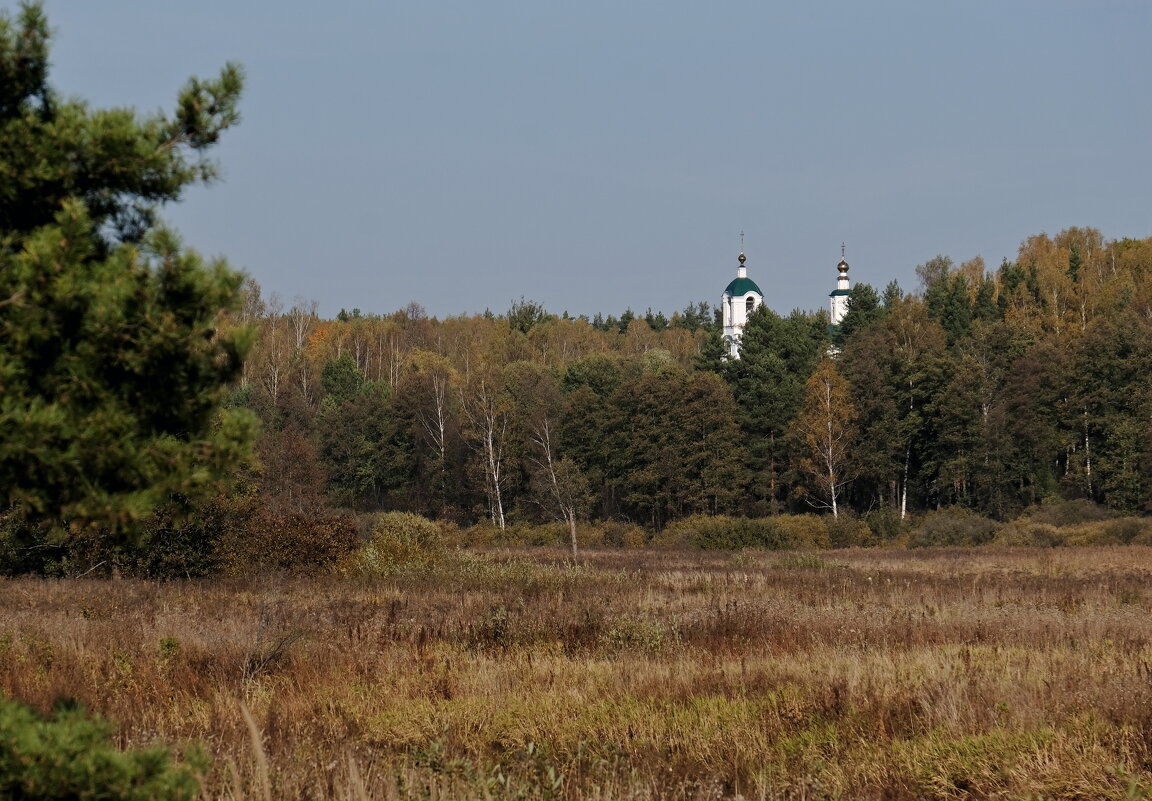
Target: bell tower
(740, 299)
(838, 306)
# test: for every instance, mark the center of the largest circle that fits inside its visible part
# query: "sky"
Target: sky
(600, 155)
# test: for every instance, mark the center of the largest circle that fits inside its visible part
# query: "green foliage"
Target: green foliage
(114, 368)
(69, 756)
(951, 527)
(186, 538)
(364, 445)
(119, 166)
(524, 315)
(863, 309)
(723, 533)
(698, 316)
(679, 447)
(113, 376)
(713, 353)
(777, 355)
(341, 379)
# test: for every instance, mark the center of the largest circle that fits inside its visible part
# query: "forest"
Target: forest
(982, 397)
(986, 390)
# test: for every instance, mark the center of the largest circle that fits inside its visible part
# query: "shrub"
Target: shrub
(1119, 531)
(70, 756)
(24, 547)
(1071, 512)
(1128, 529)
(885, 523)
(1025, 532)
(187, 538)
(295, 542)
(724, 533)
(805, 531)
(1145, 535)
(399, 541)
(846, 531)
(618, 534)
(952, 526)
(552, 534)
(479, 535)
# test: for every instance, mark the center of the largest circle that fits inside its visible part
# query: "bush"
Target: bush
(1074, 522)
(294, 542)
(610, 533)
(70, 756)
(724, 533)
(541, 534)
(617, 534)
(805, 531)
(399, 541)
(846, 531)
(184, 538)
(1029, 533)
(1071, 513)
(885, 523)
(1119, 531)
(954, 526)
(24, 547)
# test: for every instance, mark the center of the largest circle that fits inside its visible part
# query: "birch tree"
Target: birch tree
(486, 412)
(825, 432)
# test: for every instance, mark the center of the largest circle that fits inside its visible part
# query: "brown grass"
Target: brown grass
(878, 674)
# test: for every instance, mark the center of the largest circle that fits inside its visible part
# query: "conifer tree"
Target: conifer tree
(777, 354)
(113, 367)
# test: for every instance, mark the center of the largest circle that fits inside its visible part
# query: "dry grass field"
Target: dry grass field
(862, 674)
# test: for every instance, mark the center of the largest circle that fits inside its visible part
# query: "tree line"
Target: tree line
(987, 389)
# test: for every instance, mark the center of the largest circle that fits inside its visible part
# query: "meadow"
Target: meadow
(892, 674)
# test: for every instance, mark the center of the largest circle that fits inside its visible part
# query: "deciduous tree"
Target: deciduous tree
(825, 431)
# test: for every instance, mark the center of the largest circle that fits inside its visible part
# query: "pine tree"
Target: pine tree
(863, 310)
(113, 367)
(777, 354)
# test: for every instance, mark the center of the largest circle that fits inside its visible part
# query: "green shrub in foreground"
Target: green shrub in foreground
(69, 756)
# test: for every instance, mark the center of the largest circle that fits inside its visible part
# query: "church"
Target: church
(742, 297)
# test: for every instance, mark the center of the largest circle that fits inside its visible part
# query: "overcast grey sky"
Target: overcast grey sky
(599, 155)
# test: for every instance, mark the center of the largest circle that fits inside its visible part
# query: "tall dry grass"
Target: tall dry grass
(990, 673)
